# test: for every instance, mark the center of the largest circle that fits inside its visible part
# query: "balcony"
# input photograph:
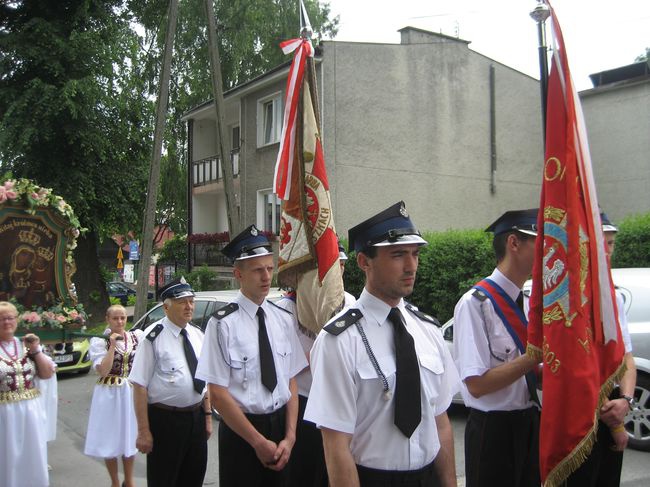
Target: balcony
(209, 170)
(210, 255)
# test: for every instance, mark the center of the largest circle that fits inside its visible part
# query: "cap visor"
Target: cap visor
(183, 294)
(403, 240)
(257, 252)
(609, 228)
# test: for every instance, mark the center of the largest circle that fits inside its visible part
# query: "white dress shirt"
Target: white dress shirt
(347, 394)
(304, 378)
(482, 342)
(622, 320)
(231, 356)
(160, 366)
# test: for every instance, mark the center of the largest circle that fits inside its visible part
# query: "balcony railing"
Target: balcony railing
(209, 170)
(209, 254)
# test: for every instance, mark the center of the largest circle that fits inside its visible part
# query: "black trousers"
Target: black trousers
(603, 466)
(238, 463)
(180, 448)
(502, 448)
(424, 477)
(307, 457)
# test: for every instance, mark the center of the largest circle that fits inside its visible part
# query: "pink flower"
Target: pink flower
(61, 318)
(74, 314)
(30, 317)
(7, 192)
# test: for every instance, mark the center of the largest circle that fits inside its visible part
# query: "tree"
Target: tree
(74, 116)
(249, 32)
(643, 57)
(76, 112)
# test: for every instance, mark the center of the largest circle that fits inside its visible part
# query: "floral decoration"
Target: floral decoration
(56, 317)
(16, 191)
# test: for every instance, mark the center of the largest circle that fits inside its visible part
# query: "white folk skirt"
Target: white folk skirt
(23, 461)
(112, 427)
(49, 399)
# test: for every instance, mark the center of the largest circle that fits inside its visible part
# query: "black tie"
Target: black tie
(408, 411)
(190, 356)
(531, 378)
(267, 364)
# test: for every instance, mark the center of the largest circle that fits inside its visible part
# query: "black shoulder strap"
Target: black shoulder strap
(421, 315)
(341, 323)
(153, 334)
(224, 311)
(480, 295)
(279, 307)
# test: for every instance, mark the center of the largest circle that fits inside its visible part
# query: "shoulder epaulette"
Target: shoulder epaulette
(421, 315)
(341, 323)
(225, 311)
(194, 325)
(480, 295)
(153, 334)
(279, 307)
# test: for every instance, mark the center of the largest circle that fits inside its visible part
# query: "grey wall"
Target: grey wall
(256, 164)
(618, 128)
(412, 122)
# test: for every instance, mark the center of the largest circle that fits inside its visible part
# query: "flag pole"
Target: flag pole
(539, 14)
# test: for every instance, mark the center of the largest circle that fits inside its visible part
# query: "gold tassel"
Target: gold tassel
(580, 453)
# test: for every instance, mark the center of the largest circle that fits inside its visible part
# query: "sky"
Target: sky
(598, 34)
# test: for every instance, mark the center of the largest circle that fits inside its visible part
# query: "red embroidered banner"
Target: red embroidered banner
(573, 326)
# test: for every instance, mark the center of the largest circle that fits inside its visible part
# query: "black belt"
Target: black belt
(531, 411)
(369, 476)
(260, 419)
(185, 409)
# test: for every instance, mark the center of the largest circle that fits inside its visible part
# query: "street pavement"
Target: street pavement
(71, 468)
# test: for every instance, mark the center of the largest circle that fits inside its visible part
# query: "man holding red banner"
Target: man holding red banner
(603, 466)
(501, 435)
(573, 321)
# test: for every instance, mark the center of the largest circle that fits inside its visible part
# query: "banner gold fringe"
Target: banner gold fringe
(580, 453)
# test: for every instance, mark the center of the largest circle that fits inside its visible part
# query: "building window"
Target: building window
(269, 120)
(269, 211)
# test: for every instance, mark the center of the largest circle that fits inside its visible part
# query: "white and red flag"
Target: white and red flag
(573, 327)
(309, 255)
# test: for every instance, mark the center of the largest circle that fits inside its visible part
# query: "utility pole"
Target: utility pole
(223, 140)
(154, 175)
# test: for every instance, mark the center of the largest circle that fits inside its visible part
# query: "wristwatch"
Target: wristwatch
(630, 401)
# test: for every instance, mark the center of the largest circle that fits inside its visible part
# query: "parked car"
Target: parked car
(205, 303)
(634, 284)
(70, 356)
(122, 291)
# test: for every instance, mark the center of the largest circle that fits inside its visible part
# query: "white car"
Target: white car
(634, 284)
(205, 303)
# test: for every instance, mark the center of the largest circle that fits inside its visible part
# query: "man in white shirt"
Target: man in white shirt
(603, 466)
(250, 362)
(382, 375)
(499, 385)
(172, 410)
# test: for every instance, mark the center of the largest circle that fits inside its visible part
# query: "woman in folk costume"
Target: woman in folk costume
(112, 427)
(23, 457)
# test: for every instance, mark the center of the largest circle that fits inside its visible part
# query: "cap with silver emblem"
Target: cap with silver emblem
(176, 289)
(248, 244)
(524, 221)
(389, 227)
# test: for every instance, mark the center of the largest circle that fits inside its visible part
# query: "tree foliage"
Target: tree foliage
(249, 33)
(643, 57)
(72, 115)
(78, 81)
